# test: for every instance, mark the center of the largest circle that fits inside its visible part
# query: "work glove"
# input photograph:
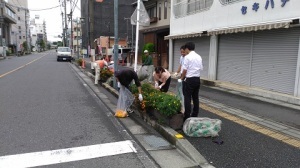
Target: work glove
(140, 97)
(179, 80)
(119, 84)
(175, 74)
(156, 85)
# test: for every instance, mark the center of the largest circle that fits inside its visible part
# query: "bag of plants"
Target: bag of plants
(125, 100)
(202, 127)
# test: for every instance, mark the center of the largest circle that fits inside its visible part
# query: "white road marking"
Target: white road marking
(66, 155)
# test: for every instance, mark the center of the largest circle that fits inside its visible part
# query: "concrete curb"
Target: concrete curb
(168, 133)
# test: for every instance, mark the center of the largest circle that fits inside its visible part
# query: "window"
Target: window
(159, 11)
(19, 18)
(23, 37)
(20, 37)
(183, 8)
(165, 9)
(152, 12)
(18, 9)
(226, 2)
(19, 27)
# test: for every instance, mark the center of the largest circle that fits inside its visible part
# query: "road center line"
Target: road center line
(66, 155)
(19, 67)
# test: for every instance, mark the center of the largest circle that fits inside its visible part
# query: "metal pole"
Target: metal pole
(66, 26)
(62, 21)
(71, 37)
(116, 46)
(77, 48)
(137, 34)
(88, 28)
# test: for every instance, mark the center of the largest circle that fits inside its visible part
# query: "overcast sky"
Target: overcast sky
(52, 16)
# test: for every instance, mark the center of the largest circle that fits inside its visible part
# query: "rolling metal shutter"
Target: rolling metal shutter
(202, 46)
(234, 58)
(176, 52)
(274, 59)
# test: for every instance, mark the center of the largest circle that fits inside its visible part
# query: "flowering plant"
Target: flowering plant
(166, 104)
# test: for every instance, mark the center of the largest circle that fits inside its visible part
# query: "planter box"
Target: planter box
(175, 121)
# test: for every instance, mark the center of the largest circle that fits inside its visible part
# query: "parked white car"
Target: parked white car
(64, 54)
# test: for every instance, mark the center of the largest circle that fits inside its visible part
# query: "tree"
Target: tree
(42, 44)
(25, 46)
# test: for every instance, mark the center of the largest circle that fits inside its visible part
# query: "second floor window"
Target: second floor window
(183, 8)
(152, 11)
(165, 9)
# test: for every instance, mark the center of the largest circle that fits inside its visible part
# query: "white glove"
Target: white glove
(140, 97)
(156, 85)
(179, 80)
(119, 84)
(175, 74)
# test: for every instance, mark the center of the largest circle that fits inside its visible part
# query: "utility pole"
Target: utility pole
(26, 28)
(71, 37)
(116, 46)
(77, 49)
(66, 26)
(88, 28)
(62, 21)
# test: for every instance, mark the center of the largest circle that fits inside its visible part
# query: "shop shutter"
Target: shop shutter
(202, 46)
(274, 59)
(176, 52)
(234, 58)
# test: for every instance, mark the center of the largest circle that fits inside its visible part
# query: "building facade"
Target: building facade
(101, 20)
(159, 14)
(38, 32)
(7, 20)
(20, 30)
(251, 43)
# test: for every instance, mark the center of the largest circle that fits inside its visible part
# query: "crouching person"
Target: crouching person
(124, 78)
(162, 79)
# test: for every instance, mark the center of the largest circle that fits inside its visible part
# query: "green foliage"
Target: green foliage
(25, 46)
(42, 44)
(105, 74)
(150, 47)
(165, 103)
(59, 44)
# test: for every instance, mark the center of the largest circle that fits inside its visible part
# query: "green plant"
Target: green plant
(150, 47)
(165, 103)
(105, 74)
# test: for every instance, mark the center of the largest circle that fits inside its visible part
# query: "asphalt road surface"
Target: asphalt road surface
(48, 119)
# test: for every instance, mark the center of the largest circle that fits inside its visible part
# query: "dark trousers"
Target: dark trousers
(191, 92)
(165, 88)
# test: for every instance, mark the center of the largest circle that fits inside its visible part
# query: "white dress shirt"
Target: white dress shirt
(193, 64)
(181, 63)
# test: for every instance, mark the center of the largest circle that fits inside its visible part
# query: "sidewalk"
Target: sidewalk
(239, 109)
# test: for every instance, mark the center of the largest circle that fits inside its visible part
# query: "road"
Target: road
(49, 119)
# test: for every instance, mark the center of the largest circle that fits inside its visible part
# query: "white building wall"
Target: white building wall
(230, 16)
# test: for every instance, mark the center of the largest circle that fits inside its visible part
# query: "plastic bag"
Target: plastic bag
(125, 100)
(142, 73)
(180, 95)
(202, 127)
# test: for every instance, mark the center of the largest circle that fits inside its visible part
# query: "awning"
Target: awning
(181, 36)
(248, 28)
(227, 30)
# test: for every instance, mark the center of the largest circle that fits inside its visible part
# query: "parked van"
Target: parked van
(123, 53)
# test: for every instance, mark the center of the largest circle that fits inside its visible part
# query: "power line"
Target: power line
(34, 9)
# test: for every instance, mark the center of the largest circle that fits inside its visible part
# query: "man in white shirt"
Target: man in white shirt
(179, 70)
(192, 66)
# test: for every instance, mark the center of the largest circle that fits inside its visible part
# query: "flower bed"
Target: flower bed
(163, 106)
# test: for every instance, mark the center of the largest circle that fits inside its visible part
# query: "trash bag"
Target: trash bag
(125, 100)
(142, 73)
(180, 95)
(202, 127)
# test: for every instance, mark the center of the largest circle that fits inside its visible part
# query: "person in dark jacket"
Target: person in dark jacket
(125, 77)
